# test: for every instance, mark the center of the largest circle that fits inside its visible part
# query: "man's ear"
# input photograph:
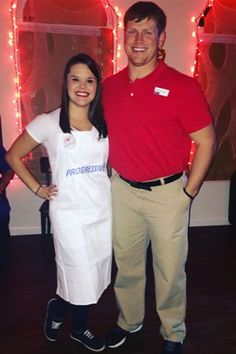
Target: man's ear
(162, 39)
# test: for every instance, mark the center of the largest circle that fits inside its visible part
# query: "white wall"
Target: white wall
(211, 205)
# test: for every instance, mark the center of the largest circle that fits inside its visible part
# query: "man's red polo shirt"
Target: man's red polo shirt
(149, 122)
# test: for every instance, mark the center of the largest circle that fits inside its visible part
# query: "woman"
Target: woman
(75, 136)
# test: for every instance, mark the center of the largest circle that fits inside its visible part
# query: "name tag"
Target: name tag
(161, 91)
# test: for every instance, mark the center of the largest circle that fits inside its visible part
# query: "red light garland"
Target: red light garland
(199, 21)
(112, 22)
(12, 43)
(200, 24)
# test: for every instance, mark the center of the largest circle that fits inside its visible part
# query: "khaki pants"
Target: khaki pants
(160, 216)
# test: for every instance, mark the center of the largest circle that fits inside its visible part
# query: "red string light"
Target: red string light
(12, 40)
(199, 22)
(112, 22)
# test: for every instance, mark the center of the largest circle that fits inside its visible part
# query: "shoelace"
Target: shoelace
(88, 334)
(55, 325)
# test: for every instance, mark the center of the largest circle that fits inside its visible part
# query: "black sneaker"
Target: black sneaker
(88, 340)
(117, 336)
(51, 325)
(172, 347)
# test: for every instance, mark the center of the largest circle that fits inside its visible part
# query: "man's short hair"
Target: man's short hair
(146, 9)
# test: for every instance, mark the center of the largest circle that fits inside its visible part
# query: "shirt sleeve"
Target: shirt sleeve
(38, 128)
(195, 109)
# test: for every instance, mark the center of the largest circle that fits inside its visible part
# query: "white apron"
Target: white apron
(81, 217)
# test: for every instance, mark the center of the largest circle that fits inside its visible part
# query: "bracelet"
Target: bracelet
(36, 193)
(189, 195)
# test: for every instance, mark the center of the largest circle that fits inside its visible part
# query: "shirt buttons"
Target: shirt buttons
(131, 94)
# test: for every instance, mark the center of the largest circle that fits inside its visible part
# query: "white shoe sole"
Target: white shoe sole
(117, 344)
(124, 339)
(136, 329)
(80, 341)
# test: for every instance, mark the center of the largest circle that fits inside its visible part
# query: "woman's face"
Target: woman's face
(81, 85)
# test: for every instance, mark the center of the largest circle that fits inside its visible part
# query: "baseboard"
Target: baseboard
(209, 222)
(18, 231)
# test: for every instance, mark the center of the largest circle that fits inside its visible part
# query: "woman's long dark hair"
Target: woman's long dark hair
(96, 114)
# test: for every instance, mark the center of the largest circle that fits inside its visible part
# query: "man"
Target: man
(153, 113)
(6, 175)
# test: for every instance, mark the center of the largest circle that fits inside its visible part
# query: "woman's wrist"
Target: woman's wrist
(37, 190)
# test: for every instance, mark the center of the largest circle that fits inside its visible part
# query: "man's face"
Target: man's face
(142, 41)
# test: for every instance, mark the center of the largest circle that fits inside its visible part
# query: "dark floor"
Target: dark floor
(211, 314)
